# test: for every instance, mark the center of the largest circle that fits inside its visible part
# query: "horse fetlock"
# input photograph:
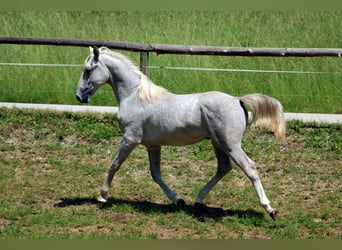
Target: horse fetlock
(273, 214)
(267, 207)
(102, 197)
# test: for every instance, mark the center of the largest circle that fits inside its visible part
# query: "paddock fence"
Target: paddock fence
(145, 49)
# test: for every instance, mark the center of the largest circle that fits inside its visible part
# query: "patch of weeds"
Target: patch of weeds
(170, 153)
(25, 148)
(54, 161)
(51, 146)
(12, 231)
(320, 136)
(281, 229)
(316, 138)
(203, 151)
(6, 147)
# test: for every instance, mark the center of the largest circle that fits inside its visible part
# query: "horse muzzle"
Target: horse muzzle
(82, 99)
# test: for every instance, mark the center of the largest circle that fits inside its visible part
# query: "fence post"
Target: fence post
(144, 62)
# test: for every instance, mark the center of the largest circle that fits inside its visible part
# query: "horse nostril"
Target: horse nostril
(78, 98)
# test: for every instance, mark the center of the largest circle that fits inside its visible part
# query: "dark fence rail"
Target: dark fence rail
(178, 49)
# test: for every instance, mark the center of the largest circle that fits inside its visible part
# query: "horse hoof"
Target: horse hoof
(180, 204)
(199, 206)
(101, 199)
(273, 214)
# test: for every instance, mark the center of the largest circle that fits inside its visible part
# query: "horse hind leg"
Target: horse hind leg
(154, 158)
(223, 167)
(249, 168)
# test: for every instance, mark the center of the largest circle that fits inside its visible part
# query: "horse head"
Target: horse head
(94, 75)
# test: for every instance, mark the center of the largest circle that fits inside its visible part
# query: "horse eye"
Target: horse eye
(87, 70)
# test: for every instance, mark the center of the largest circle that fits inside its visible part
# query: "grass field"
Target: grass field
(297, 92)
(53, 164)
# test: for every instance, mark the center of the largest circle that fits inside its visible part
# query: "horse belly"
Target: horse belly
(174, 132)
(173, 138)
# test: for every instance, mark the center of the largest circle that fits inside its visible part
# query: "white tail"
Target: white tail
(267, 113)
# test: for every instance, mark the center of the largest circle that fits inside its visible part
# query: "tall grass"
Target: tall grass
(297, 92)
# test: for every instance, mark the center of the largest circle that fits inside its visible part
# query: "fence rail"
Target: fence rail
(145, 49)
(178, 49)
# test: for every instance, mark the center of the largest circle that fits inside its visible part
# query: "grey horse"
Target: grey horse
(152, 116)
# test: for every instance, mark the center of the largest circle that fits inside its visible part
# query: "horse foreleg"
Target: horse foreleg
(223, 167)
(154, 158)
(249, 168)
(125, 149)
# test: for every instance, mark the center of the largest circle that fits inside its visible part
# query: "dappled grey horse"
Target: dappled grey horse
(152, 116)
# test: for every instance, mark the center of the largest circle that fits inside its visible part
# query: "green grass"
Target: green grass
(297, 92)
(52, 165)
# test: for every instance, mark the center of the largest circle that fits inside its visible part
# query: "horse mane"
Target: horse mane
(147, 91)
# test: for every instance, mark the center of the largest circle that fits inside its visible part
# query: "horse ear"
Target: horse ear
(96, 53)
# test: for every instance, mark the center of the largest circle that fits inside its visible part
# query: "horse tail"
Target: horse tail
(267, 113)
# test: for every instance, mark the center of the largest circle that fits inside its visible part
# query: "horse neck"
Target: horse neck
(124, 80)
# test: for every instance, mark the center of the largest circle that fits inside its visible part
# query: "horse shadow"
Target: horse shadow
(200, 213)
